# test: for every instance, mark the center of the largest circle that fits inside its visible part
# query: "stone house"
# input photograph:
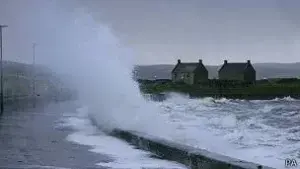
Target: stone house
(237, 71)
(189, 73)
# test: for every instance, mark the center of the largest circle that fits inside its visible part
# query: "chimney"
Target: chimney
(178, 61)
(225, 62)
(248, 61)
(200, 61)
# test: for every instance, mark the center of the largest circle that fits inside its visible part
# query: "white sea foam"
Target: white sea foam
(252, 131)
(70, 41)
(122, 154)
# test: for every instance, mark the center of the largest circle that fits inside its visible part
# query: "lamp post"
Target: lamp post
(1, 63)
(33, 74)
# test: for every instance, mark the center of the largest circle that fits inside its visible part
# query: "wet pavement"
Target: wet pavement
(29, 139)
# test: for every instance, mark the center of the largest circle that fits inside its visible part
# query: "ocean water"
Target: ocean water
(72, 42)
(265, 132)
(260, 131)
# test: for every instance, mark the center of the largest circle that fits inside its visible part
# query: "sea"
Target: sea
(260, 131)
(73, 41)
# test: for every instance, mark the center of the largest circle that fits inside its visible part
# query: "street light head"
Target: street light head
(3, 26)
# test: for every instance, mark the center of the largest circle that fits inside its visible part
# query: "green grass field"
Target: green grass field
(262, 89)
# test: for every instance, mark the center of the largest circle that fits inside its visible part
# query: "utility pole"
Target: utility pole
(33, 73)
(1, 63)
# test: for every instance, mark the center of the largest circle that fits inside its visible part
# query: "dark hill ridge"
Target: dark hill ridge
(263, 70)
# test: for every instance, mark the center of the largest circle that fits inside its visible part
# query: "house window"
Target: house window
(182, 76)
(187, 75)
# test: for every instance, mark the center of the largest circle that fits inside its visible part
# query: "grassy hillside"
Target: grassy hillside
(264, 70)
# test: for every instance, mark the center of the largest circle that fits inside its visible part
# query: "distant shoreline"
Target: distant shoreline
(263, 70)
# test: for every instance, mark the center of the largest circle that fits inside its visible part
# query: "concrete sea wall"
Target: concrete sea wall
(189, 156)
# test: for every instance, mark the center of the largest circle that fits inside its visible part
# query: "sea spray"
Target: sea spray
(71, 42)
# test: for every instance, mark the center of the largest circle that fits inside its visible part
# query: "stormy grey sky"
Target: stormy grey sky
(161, 31)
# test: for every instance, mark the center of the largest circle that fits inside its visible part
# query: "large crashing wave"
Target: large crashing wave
(71, 42)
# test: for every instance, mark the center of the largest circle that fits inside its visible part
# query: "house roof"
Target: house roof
(234, 67)
(187, 67)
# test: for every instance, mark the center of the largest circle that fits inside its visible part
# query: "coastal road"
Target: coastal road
(28, 139)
